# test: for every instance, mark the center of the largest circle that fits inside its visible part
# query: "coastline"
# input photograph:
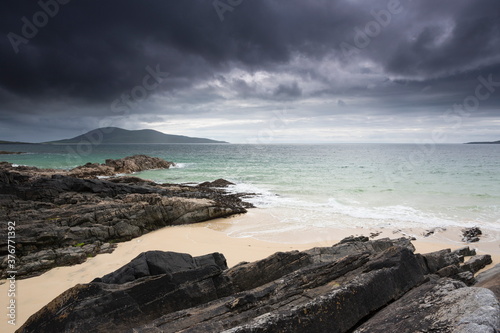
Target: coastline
(207, 237)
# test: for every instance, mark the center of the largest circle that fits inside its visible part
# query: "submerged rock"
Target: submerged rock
(346, 287)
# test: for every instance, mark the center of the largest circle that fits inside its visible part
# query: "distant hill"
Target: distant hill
(484, 143)
(120, 135)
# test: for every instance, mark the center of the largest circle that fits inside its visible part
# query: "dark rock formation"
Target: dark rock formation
(216, 183)
(490, 279)
(157, 262)
(349, 286)
(471, 235)
(128, 164)
(3, 152)
(63, 219)
(443, 305)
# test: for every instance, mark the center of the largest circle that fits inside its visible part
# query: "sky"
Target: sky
(253, 71)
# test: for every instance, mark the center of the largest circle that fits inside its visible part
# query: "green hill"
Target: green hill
(119, 135)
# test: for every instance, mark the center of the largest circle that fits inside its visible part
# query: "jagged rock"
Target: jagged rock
(471, 235)
(137, 163)
(490, 279)
(216, 183)
(443, 305)
(476, 263)
(354, 239)
(157, 262)
(439, 259)
(320, 290)
(56, 212)
(464, 252)
(111, 167)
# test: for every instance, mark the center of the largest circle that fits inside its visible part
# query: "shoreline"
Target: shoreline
(202, 238)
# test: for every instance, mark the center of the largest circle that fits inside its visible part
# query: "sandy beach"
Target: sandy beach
(214, 236)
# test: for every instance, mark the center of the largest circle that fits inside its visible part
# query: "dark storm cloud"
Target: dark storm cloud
(91, 52)
(292, 90)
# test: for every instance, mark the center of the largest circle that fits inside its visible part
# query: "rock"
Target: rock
(321, 290)
(470, 235)
(216, 183)
(443, 305)
(490, 279)
(476, 263)
(3, 152)
(101, 307)
(361, 286)
(56, 212)
(128, 164)
(157, 262)
(434, 261)
(137, 163)
(465, 252)
(354, 239)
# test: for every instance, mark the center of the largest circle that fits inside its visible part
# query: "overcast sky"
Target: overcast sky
(266, 71)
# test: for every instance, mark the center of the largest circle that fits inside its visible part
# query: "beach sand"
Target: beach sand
(213, 236)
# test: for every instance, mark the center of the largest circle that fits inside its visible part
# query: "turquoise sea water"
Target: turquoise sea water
(334, 185)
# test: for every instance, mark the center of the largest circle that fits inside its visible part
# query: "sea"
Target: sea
(321, 186)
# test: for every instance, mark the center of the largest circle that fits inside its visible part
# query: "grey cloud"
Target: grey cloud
(288, 90)
(427, 57)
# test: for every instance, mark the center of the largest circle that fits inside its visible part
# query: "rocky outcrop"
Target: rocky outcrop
(346, 287)
(128, 164)
(64, 219)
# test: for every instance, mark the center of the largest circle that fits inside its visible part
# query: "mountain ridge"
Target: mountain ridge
(120, 135)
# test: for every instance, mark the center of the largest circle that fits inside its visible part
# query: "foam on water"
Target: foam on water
(293, 214)
(181, 165)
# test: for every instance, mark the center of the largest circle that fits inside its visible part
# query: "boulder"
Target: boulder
(440, 305)
(471, 235)
(476, 263)
(216, 183)
(158, 262)
(490, 279)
